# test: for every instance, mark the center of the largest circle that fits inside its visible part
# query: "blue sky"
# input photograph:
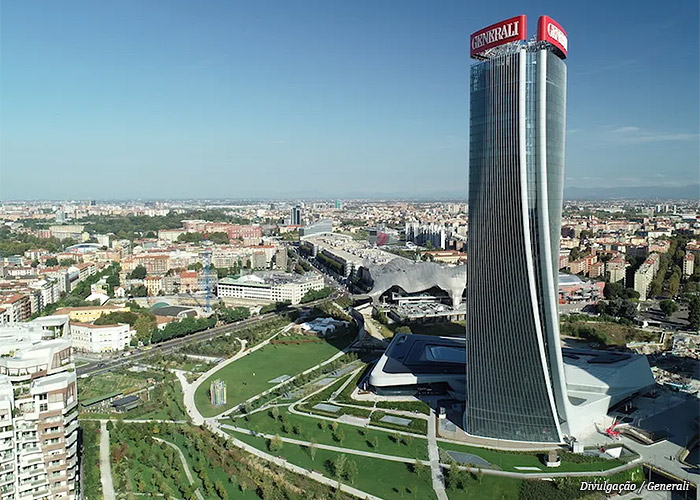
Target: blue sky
(161, 99)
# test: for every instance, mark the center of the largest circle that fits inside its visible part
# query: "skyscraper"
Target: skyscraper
(295, 216)
(515, 376)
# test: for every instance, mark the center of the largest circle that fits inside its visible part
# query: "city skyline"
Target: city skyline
(251, 99)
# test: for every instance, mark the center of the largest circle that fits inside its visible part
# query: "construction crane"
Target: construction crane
(207, 272)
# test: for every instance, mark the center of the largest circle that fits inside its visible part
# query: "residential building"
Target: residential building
(18, 307)
(688, 264)
(38, 416)
(616, 269)
(154, 284)
(645, 274)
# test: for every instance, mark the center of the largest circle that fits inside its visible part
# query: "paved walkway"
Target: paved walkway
(105, 464)
(184, 464)
(434, 455)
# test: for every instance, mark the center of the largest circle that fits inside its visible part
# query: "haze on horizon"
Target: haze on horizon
(166, 100)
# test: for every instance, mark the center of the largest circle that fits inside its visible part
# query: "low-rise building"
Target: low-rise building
(88, 314)
(270, 286)
(88, 337)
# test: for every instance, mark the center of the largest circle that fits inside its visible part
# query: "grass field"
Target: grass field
(389, 480)
(509, 461)
(105, 383)
(251, 374)
(308, 427)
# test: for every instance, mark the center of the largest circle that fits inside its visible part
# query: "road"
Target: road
(184, 465)
(169, 345)
(105, 465)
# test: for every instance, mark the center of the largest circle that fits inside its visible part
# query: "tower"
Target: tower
(515, 376)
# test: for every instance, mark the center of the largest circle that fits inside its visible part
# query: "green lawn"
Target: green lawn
(388, 480)
(352, 438)
(488, 488)
(108, 382)
(509, 461)
(251, 374)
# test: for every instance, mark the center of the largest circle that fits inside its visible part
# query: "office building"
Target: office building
(269, 286)
(515, 386)
(88, 337)
(295, 216)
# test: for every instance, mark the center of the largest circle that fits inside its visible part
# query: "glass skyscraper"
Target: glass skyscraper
(515, 376)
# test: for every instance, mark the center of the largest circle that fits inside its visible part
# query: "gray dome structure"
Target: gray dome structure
(416, 277)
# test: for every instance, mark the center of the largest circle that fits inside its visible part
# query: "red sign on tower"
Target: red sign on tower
(548, 30)
(507, 31)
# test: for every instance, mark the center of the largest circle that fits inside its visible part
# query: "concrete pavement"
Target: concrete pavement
(434, 456)
(105, 464)
(184, 464)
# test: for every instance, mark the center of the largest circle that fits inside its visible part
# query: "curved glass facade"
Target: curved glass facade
(514, 368)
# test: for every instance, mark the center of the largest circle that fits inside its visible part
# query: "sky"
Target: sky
(286, 99)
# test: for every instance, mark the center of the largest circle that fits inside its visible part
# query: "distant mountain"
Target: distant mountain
(689, 192)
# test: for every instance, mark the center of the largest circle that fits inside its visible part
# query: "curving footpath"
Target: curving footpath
(184, 464)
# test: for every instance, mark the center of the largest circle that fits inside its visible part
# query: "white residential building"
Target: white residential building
(38, 415)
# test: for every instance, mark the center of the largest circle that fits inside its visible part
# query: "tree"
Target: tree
(694, 313)
(51, 262)
(668, 307)
(138, 291)
(138, 273)
(312, 450)
(351, 471)
(144, 326)
(275, 444)
(338, 466)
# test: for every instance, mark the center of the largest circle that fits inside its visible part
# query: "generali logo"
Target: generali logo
(496, 34)
(558, 35)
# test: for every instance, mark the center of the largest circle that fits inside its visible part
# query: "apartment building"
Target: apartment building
(38, 416)
(645, 274)
(688, 264)
(616, 269)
